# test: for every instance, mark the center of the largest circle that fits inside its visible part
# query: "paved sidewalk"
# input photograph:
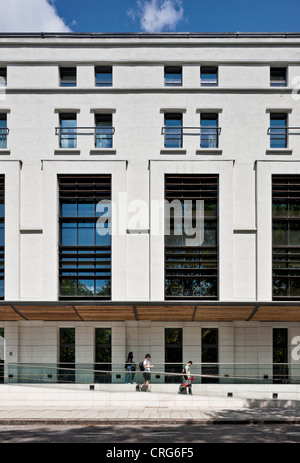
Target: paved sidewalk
(216, 411)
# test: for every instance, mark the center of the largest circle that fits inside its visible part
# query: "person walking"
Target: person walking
(187, 376)
(147, 376)
(130, 366)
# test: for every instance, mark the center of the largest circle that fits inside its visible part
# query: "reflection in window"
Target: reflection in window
(209, 131)
(278, 130)
(173, 130)
(173, 354)
(209, 76)
(68, 77)
(2, 236)
(191, 269)
(85, 244)
(102, 355)
(3, 131)
(209, 355)
(104, 131)
(286, 237)
(278, 77)
(173, 75)
(68, 131)
(66, 372)
(103, 76)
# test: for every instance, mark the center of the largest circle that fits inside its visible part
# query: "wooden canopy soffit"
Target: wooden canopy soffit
(218, 312)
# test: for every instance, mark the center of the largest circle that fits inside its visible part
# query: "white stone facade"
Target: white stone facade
(138, 161)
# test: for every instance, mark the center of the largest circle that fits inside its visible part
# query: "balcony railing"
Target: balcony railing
(3, 137)
(279, 135)
(103, 136)
(209, 136)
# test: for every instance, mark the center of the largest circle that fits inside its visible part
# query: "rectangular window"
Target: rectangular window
(68, 77)
(2, 235)
(173, 130)
(278, 77)
(3, 77)
(104, 131)
(278, 131)
(173, 75)
(68, 131)
(173, 354)
(191, 269)
(209, 355)
(209, 131)
(209, 76)
(3, 131)
(85, 237)
(280, 355)
(102, 355)
(66, 373)
(103, 76)
(2, 355)
(286, 237)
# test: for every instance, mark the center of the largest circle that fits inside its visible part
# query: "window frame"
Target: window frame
(175, 71)
(66, 70)
(278, 83)
(106, 70)
(209, 82)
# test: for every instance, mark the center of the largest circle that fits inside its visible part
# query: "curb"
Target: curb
(143, 422)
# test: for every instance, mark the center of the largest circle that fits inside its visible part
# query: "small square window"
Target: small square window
(103, 76)
(209, 76)
(278, 77)
(3, 77)
(173, 75)
(68, 77)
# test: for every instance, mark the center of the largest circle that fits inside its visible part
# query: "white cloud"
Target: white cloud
(30, 16)
(158, 15)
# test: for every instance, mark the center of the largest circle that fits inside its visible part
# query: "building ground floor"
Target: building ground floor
(96, 351)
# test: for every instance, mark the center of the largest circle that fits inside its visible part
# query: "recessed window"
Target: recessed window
(85, 237)
(173, 75)
(103, 76)
(209, 131)
(173, 130)
(3, 77)
(68, 77)
(68, 131)
(3, 131)
(286, 237)
(104, 131)
(278, 77)
(209, 76)
(191, 260)
(278, 130)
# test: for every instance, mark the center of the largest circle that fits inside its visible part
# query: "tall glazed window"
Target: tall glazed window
(191, 265)
(85, 245)
(2, 236)
(286, 237)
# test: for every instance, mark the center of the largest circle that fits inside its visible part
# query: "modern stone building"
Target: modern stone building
(137, 119)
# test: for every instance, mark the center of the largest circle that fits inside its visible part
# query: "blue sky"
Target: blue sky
(149, 15)
(198, 15)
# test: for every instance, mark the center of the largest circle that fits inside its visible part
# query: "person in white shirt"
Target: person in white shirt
(147, 375)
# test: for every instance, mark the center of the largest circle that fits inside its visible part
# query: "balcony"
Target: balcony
(103, 136)
(173, 136)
